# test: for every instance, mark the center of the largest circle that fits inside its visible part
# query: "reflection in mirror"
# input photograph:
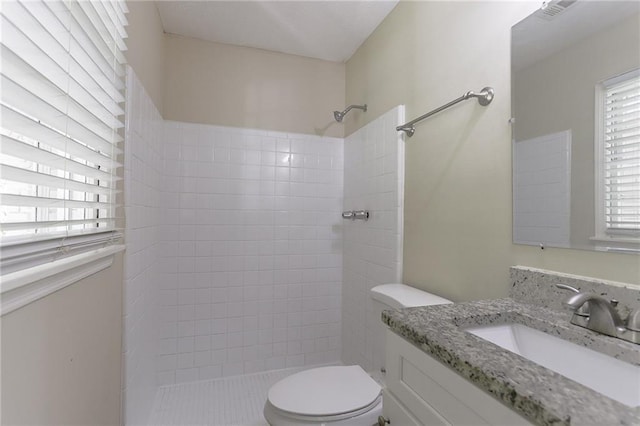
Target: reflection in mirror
(576, 126)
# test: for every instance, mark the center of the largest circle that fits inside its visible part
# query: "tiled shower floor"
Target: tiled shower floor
(237, 400)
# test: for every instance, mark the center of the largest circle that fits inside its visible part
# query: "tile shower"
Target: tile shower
(252, 255)
(235, 248)
(143, 234)
(374, 180)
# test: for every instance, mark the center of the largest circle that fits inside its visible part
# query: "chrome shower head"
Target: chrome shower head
(340, 115)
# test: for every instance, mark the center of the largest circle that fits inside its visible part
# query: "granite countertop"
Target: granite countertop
(537, 393)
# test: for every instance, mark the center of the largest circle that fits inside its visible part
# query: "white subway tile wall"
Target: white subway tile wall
(143, 197)
(374, 181)
(252, 254)
(542, 190)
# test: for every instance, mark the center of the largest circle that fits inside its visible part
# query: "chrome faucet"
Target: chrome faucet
(583, 310)
(603, 317)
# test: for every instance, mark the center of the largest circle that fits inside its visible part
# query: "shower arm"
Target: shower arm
(350, 107)
(339, 115)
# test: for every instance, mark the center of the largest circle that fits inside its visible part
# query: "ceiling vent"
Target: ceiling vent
(550, 10)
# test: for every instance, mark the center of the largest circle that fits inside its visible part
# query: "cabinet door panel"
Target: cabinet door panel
(396, 413)
(449, 407)
(428, 388)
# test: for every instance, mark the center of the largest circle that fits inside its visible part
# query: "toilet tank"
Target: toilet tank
(394, 296)
(399, 296)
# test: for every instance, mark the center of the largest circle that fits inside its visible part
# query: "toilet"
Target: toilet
(342, 395)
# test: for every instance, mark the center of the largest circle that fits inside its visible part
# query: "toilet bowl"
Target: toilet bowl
(340, 395)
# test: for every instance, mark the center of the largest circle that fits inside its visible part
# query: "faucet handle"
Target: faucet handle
(633, 321)
(567, 287)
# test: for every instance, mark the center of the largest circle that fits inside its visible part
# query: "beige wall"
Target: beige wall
(145, 46)
(557, 93)
(215, 83)
(61, 355)
(458, 165)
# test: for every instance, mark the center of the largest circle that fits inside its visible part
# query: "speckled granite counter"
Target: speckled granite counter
(539, 394)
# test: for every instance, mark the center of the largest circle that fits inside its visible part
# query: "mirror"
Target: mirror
(566, 57)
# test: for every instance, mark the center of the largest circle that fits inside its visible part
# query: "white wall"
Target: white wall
(143, 199)
(374, 181)
(252, 257)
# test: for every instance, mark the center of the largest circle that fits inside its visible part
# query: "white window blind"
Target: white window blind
(620, 155)
(62, 80)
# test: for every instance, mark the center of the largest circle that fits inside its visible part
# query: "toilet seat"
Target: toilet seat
(324, 394)
(366, 416)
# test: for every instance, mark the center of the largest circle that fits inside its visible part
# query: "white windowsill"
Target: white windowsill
(621, 244)
(20, 288)
(629, 240)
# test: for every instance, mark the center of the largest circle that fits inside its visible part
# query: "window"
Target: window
(61, 128)
(618, 158)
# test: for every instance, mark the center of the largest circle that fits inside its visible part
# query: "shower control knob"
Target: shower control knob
(382, 421)
(348, 215)
(361, 214)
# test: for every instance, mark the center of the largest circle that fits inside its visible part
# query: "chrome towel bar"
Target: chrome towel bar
(484, 98)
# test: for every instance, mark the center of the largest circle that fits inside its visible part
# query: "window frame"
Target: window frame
(36, 264)
(616, 239)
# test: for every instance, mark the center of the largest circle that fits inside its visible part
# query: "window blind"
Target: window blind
(621, 168)
(62, 80)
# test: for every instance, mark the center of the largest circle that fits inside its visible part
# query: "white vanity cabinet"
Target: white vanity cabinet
(422, 391)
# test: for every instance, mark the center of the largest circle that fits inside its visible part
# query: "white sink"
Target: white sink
(616, 379)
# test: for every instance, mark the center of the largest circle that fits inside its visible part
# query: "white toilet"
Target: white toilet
(341, 395)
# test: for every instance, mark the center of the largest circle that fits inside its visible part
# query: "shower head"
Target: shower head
(339, 115)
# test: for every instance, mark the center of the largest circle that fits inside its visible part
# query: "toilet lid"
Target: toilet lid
(399, 296)
(325, 391)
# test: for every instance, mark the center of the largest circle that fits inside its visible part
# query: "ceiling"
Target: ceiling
(329, 30)
(535, 37)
